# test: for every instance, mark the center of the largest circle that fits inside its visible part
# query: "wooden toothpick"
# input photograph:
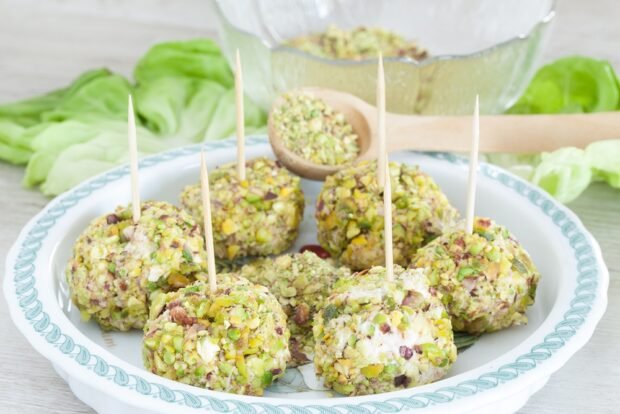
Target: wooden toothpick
(208, 227)
(381, 159)
(133, 161)
(473, 168)
(240, 118)
(387, 222)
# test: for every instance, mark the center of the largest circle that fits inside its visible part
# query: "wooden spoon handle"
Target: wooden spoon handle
(501, 133)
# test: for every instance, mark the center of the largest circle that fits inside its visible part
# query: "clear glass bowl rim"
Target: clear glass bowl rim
(548, 17)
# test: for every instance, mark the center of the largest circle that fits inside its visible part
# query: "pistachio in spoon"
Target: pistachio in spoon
(315, 131)
(315, 136)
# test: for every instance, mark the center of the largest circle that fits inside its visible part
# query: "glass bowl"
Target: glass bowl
(486, 47)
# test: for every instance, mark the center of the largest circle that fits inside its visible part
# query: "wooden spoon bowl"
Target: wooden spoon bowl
(353, 110)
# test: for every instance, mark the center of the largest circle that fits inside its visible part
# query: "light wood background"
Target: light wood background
(45, 43)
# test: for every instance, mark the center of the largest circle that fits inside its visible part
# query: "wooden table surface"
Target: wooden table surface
(45, 44)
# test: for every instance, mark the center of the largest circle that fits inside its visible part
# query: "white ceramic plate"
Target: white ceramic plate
(495, 375)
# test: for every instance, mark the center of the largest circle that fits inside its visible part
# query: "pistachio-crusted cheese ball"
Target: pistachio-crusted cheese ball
(487, 279)
(235, 340)
(301, 282)
(255, 217)
(376, 336)
(349, 212)
(116, 263)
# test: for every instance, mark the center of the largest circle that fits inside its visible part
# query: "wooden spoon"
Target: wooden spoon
(503, 133)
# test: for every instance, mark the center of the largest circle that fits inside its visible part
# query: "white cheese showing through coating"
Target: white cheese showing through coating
(155, 273)
(282, 357)
(380, 345)
(139, 244)
(357, 293)
(207, 350)
(417, 281)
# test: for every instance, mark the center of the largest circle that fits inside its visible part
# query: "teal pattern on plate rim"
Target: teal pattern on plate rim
(580, 306)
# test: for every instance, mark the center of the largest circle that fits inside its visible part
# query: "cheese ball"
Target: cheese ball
(486, 278)
(116, 264)
(234, 340)
(255, 217)
(301, 282)
(349, 213)
(377, 336)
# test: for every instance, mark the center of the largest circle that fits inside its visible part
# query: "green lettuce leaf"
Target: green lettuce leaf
(53, 140)
(14, 155)
(11, 148)
(565, 173)
(104, 97)
(105, 150)
(194, 59)
(225, 113)
(29, 112)
(184, 94)
(568, 85)
(604, 159)
(177, 107)
(21, 121)
(187, 110)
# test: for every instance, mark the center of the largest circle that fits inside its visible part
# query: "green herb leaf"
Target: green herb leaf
(330, 312)
(463, 340)
(466, 272)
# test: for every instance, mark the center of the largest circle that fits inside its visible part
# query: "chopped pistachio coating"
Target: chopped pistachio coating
(357, 44)
(486, 278)
(376, 336)
(234, 340)
(258, 216)
(116, 264)
(314, 130)
(301, 282)
(349, 212)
